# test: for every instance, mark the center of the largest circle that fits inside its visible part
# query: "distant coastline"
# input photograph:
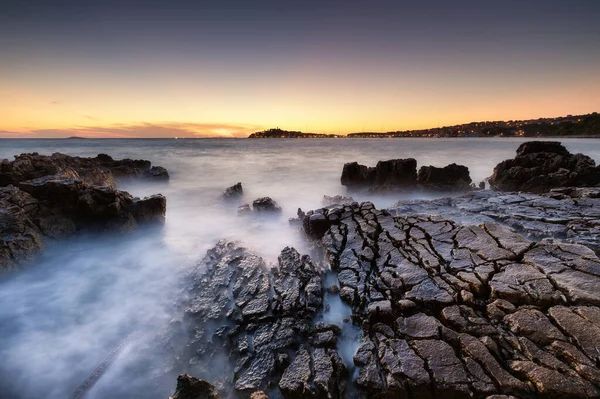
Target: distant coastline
(573, 126)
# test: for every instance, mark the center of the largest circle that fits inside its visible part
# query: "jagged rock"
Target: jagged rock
(259, 315)
(20, 238)
(449, 178)
(394, 174)
(265, 204)
(65, 202)
(542, 165)
(235, 191)
(192, 388)
(99, 170)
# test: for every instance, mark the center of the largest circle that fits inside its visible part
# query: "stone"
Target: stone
(233, 192)
(450, 178)
(542, 165)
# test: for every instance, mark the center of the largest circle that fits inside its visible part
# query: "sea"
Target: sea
(73, 309)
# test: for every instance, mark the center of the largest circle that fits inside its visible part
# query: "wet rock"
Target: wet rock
(567, 214)
(189, 387)
(265, 204)
(56, 196)
(235, 191)
(99, 170)
(267, 335)
(394, 174)
(449, 178)
(449, 310)
(542, 165)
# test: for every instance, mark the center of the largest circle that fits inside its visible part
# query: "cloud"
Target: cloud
(141, 130)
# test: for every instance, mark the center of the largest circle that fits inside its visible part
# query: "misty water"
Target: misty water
(62, 315)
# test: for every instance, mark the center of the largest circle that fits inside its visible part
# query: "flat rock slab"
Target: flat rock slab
(568, 214)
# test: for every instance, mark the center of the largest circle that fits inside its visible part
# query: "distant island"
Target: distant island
(76, 137)
(573, 126)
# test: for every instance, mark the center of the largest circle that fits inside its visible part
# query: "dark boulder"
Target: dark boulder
(233, 192)
(100, 170)
(355, 175)
(156, 173)
(391, 175)
(20, 238)
(62, 204)
(541, 166)
(189, 387)
(265, 204)
(452, 177)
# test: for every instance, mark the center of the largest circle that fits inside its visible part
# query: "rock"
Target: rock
(449, 178)
(80, 195)
(156, 173)
(100, 170)
(235, 191)
(542, 165)
(568, 214)
(268, 324)
(265, 204)
(448, 308)
(337, 200)
(391, 175)
(20, 238)
(192, 388)
(244, 209)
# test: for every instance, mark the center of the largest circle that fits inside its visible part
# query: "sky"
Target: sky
(150, 68)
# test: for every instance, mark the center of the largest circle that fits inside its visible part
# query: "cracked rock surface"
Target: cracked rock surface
(568, 214)
(465, 311)
(445, 310)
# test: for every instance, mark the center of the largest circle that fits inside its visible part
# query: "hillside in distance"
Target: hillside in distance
(565, 126)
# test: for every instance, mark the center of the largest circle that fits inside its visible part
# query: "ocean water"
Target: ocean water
(61, 316)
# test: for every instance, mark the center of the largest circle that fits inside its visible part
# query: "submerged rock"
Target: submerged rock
(542, 165)
(265, 204)
(235, 191)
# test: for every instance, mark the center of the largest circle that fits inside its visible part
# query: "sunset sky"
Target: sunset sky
(227, 68)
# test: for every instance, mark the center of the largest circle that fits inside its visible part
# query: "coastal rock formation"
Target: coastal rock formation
(388, 175)
(189, 387)
(233, 192)
(257, 324)
(542, 165)
(101, 170)
(64, 202)
(401, 175)
(567, 214)
(452, 177)
(465, 311)
(265, 205)
(445, 310)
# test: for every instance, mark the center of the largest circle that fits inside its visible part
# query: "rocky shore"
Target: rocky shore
(497, 298)
(48, 197)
